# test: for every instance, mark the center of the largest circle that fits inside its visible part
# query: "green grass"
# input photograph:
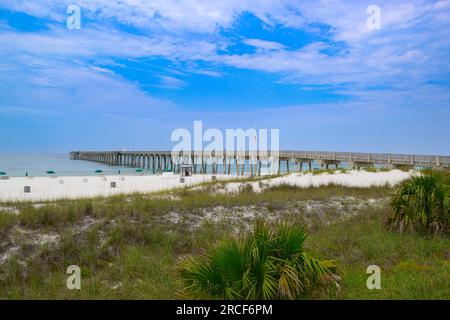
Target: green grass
(404, 167)
(412, 266)
(129, 252)
(59, 214)
(322, 171)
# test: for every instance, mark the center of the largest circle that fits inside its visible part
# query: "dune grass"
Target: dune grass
(61, 213)
(126, 251)
(412, 266)
(323, 171)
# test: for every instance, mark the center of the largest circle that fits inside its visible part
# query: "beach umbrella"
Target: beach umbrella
(98, 171)
(51, 172)
(3, 173)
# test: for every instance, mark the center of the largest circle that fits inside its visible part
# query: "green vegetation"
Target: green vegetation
(127, 247)
(329, 171)
(269, 263)
(403, 167)
(422, 203)
(412, 266)
(61, 213)
(321, 171)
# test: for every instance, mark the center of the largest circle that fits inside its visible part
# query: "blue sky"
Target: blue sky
(137, 70)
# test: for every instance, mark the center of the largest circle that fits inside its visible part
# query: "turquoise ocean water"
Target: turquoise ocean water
(17, 165)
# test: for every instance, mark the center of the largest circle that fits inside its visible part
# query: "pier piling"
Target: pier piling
(163, 160)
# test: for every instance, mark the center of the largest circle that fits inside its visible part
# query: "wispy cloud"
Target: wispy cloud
(171, 82)
(104, 67)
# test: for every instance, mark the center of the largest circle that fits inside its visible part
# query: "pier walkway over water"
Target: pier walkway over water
(294, 160)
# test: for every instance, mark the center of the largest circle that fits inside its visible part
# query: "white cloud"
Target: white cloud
(172, 15)
(263, 44)
(65, 88)
(409, 50)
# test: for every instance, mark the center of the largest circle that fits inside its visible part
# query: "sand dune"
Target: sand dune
(353, 178)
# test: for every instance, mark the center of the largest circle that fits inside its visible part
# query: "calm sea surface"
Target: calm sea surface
(36, 165)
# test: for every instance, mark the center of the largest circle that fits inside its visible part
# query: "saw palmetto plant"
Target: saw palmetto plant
(422, 203)
(268, 263)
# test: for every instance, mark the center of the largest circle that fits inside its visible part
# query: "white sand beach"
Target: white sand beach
(352, 178)
(53, 188)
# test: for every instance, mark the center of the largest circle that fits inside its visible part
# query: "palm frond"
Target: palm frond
(268, 263)
(422, 204)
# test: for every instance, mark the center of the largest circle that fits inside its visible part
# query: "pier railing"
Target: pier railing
(163, 160)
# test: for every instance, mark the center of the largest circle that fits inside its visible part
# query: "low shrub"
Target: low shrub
(267, 263)
(422, 203)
